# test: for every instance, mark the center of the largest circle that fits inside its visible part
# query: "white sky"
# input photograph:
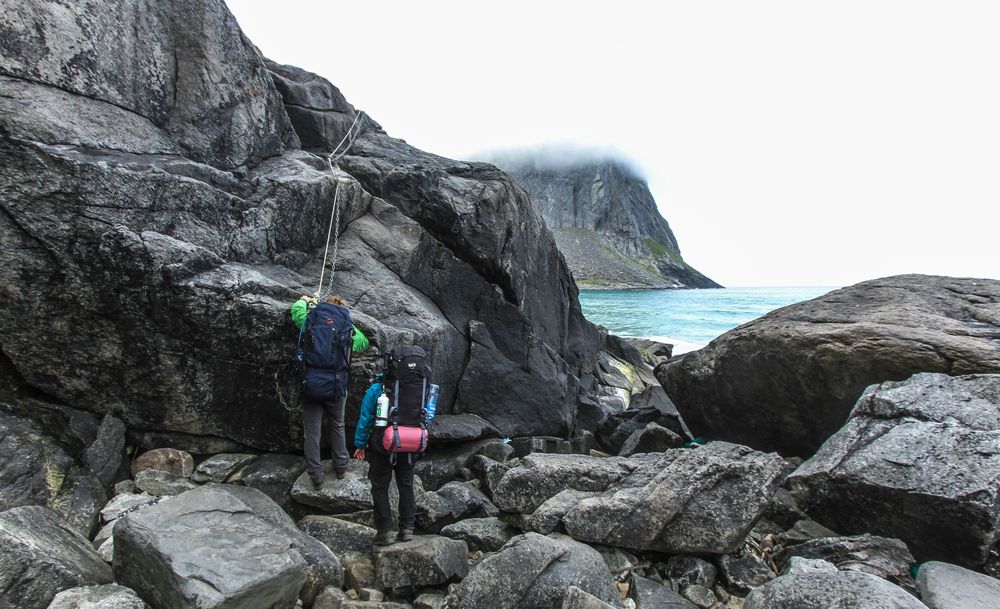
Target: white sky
(787, 143)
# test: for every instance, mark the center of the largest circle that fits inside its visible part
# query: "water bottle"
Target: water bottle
(382, 410)
(432, 402)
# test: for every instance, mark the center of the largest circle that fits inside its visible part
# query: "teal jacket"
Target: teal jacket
(300, 310)
(363, 432)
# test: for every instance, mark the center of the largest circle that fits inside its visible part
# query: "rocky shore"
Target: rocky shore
(161, 205)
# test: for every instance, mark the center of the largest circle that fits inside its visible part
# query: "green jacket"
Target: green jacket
(300, 310)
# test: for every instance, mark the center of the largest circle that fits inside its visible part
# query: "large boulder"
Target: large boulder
(702, 500)
(158, 220)
(426, 560)
(541, 476)
(219, 545)
(823, 590)
(107, 596)
(788, 380)
(41, 557)
(919, 460)
(533, 571)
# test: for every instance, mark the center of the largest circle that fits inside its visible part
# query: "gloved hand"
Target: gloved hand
(360, 341)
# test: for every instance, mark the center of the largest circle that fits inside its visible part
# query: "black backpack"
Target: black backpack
(407, 382)
(327, 351)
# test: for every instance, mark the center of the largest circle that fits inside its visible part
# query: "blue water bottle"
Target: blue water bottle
(432, 402)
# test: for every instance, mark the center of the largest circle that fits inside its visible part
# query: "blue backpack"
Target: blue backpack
(327, 352)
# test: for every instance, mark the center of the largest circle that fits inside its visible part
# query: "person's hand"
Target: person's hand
(306, 298)
(359, 454)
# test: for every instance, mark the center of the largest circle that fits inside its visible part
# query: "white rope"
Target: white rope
(349, 137)
(333, 214)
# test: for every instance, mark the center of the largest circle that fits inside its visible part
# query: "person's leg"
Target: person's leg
(312, 419)
(379, 473)
(338, 439)
(407, 498)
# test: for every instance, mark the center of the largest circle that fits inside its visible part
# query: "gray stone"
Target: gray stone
(171, 460)
(105, 456)
(275, 475)
(788, 381)
(481, 534)
(826, 590)
(886, 558)
(429, 600)
(702, 500)
(649, 594)
(330, 598)
(533, 571)
(442, 464)
(352, 493)
(218, 468)
(802, 531)
(126, 502)
(548, 517)
(944, 586)
(803, 566)
(650, 406)
(579, 599)
(918, 461)
(42, 556)
(500, 452)
(160, 483)
(653, 438)
(107, 596)
(489, 472)
(238, 543)
(451, 503)
(425, 561)
(339, 535)
(741, 574)
(449, 428)
(702, 597)
(359, 570)
(540, 476)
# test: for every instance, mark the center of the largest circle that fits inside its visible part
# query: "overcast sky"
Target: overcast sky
(787, 143)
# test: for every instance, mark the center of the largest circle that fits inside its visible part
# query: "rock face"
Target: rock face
(158, 218)
(788, 380)
(605, 222)
(41, 557)
(918, 460)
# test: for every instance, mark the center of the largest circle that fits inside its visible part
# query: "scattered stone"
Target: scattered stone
(649, 594)
(651, 406)
(944, 586)
(684, 570)
(450, 428)
(359, 570)
(339, 535)
(274, 475)
(161, 483)
(489, 472)
(483, 534)
(429, 600)
(653, 438)
(177, 462)
(783, 510)
(620, 563)
(105, 456)
(822, 590)
(548, 517)
(702, 500)
(43, 556)
(701, 596)
(107, 596)
(541, 476)
(917, 461)
(125, 487)
(579, 599)
(533, 571)
(742, 574)
(886, 558)
(371, 594)
(803, 531)
(427, 560)
(126, 503)
(501, 452)
(330, 597)
(451, 503)
(440, 465)
(803, 566)
(218, 468)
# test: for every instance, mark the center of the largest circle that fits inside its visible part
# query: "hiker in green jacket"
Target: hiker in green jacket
(314, 408)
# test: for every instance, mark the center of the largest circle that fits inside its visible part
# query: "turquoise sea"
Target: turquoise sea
(688, 319)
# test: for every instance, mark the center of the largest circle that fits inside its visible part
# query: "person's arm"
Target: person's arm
(367, 419)
(360, 340)
(300, 308)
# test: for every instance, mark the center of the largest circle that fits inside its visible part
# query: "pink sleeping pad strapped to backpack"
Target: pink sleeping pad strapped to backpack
(404, 439)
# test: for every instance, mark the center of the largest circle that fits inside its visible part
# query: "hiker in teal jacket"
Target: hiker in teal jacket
(314, 409)
(380, 470)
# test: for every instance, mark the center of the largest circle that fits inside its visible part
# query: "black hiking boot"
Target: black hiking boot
(317, 479)
(340, 473)
(405, 535)
(384, 538)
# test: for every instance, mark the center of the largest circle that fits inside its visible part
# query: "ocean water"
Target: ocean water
(687, 319)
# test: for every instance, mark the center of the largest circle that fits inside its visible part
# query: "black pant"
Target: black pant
(380, 471)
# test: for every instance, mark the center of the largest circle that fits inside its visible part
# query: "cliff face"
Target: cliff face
(605, 222)
(158, 217)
